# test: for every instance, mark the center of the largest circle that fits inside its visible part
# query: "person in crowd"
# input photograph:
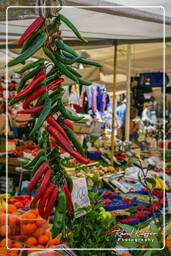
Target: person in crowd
(121, 117)
(146, 114)
(134, 125)
(2, 118)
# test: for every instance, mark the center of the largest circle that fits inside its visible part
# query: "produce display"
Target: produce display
(45, 87)
(96, 170)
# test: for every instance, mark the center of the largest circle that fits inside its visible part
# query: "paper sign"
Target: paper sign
(80, 196)
(169, 202)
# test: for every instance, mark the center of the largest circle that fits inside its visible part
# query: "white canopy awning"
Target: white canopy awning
(106, 21)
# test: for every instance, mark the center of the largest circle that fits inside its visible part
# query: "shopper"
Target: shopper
(2, 118)
(146, 114)
(134, 125)
(121, 117)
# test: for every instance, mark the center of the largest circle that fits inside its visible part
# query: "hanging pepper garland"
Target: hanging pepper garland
(55, 185)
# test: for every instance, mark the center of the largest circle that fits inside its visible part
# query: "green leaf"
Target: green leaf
(148, 253)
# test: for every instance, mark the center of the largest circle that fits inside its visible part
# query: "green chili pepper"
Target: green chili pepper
(31, 40)
(62, 46)
(31, 65)
(62, 68)
(83, 82)
(55, 98)
(38, 163)
(52, 78)
(30, 51)
(60, 212)
(57, 91)
(72, 27)
(73, 71)
(68, 181)
(67, 61)
(73, 138)
(55, 109)
(66, 113)
(35, 159)
(83, 61)
(52, 71)
(42, 99)
(29, 76)
(16, 100)
(45, 112)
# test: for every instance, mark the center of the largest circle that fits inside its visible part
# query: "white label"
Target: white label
(169, 201)
(80, 196)
(28, 155)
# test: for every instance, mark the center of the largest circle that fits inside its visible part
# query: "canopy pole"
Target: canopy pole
(113, 102)
(128, 93)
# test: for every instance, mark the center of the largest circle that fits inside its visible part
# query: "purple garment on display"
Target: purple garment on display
(99, 98)
(94, 98)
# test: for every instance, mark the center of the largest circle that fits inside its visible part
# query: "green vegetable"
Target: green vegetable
(55, 98)
(81, 81)
(30, 51)
(52, 71)
(62, 68)
(73, 71)
(16, 100)
(31, 40)
(83, 61)
(60, 212)
(52, 78)
(45, 112)
(69, 181)
(72, 27)
(73, 138)
(42, 99)
(62, 46)
(66, 113)
(55, 109)
(67, 61)
(57, 91)
(31, 65)
(35, 159)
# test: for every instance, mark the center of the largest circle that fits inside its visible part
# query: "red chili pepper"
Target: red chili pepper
(31, 29)
(55, 124)
(38, 78)
(66, 146)
(41, 170)
(51, 202)
(43, 200)
(68, 197)
(68, 123)
(80, 158)
(42, 187)
(54, 84)
(61, 141)
(33, 96)
(32, 110)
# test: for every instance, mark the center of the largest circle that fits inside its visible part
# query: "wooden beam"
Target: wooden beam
(114, 102)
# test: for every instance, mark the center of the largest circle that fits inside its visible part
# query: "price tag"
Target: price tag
(80, 196)
(169, 202)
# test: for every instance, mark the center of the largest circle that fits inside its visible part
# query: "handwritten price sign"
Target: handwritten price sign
(80, 196)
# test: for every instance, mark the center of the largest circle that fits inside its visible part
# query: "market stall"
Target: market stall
(84, 191)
